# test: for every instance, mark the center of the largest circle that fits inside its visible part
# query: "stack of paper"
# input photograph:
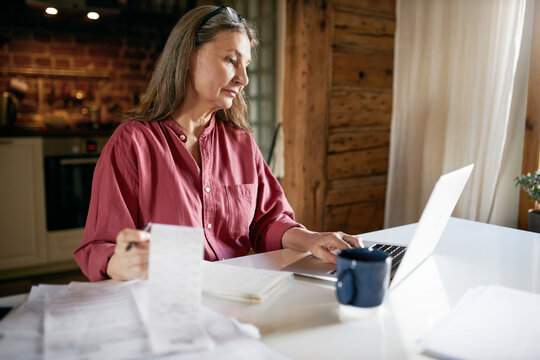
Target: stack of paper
(161, 317)
(240, 283)
(93, 321)
(101, 321)
(491, 322)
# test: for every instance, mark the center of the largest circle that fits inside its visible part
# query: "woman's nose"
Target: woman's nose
(242, 76)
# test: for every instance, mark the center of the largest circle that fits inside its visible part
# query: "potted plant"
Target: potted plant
(530, 183)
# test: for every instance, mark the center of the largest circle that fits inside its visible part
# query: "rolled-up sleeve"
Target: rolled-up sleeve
(113, 207)
(146, 173)
(273, 214)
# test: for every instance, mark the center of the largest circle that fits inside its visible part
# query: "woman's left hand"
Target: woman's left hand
(320, 244)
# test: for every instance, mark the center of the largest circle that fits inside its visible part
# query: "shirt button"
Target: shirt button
(209, 226)
(183, 137)
(207, 189)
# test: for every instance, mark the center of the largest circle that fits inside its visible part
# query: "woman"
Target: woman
(188, 158)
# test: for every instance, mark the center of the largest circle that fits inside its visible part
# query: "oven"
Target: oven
(68, 168)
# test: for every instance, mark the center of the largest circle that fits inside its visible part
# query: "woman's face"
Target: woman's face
(218, 70)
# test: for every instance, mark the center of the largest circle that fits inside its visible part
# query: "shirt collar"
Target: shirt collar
(178, 130)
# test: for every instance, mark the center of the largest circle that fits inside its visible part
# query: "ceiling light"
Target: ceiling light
(51, 11)
(92, 15)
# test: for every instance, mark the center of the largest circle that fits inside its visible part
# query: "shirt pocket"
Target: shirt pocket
(241, 205)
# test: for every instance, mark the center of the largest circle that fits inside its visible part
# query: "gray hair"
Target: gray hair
(167, 87)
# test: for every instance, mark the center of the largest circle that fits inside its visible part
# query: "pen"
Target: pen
(134, 243)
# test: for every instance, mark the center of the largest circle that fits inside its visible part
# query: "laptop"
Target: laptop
(405, 259)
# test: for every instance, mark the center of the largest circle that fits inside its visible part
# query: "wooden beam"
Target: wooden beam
(372, 69)
(379, 8)
(305, 110)
(356, 190)
(357, 218)
(351, 139)
(362, 31)
(350, 107)
(358, 163)
(531, 143)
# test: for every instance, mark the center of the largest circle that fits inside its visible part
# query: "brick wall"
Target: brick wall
(109, 61)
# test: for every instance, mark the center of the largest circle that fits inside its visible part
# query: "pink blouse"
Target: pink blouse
(145, 173)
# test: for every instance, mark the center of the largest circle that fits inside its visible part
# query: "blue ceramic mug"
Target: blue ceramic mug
(363, 277)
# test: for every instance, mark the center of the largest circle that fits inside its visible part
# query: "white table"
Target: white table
(304, 320)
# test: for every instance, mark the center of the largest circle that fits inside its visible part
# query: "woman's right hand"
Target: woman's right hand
(133, 263)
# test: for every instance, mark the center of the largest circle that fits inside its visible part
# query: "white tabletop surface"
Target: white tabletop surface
(305, 321)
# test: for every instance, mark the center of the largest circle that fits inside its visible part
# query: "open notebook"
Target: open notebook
(241, 283)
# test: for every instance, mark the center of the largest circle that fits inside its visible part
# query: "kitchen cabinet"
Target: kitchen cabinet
(62, 243)
(26, 247)
(22, 210)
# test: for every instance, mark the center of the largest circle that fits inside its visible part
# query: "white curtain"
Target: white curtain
(460, 86)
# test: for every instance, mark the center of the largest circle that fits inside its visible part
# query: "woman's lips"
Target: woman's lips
(231, 93)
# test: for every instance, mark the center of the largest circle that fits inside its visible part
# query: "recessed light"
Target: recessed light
(92, 15)
(51, 11)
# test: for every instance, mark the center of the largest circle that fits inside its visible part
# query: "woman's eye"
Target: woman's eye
(230, 60)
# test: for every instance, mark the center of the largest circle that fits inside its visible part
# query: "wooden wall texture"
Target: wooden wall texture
(337, 111)
(531, 143)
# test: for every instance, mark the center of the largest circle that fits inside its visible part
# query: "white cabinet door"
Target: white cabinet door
(62, 244)
(22, 203)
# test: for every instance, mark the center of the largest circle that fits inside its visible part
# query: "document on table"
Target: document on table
(95, 332)
(491, 322)
(21, 331)
(107, 321)
(93, 321)
(233, 340)
(174, 280)
(241, 283)
(27, 319)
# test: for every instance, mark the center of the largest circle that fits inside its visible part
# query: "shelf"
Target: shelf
(54, 74)
(106, 130)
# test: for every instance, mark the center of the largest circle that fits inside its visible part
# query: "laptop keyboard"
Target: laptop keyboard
(395, 251)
